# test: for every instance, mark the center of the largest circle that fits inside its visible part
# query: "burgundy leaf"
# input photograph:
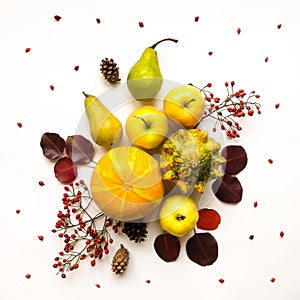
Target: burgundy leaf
(167, 247)
(236, 159)
(228, 189)
(65, 170)
(52, 145)
(209, 219)
(79, 149)
(202, 248)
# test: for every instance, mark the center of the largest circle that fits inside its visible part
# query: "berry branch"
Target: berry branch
(237, 104)
(80, 230)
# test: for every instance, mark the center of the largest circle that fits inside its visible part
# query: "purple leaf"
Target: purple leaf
(52, 145)
(65, 170)
(236, 159)
(167, 247)
(202, 248)
(228, 189)
(79, 149)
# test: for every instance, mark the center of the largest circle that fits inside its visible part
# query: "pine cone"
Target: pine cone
(110, 70)
(120, 260)
(136, 231)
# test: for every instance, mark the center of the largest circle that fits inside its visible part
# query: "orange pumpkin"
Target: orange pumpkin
(127, 183)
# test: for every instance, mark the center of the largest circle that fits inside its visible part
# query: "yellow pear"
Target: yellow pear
(144, 79)
(105, 128)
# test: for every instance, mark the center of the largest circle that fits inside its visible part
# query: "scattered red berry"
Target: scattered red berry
(27, 50)
(221, 280)
(196, 18)
(141, 24)
(270, 160)
(210, 53)
(238, 31)
(279, 26)
(27, 276)
(19, 124)
(251, 237)
(98, 21)
(18, 211)
(273, 279)
(76, 68)
(277, 105)
(281, 233)
(52, 87)
(57, 18)
(255, 204)
(148, 281)
(40, 237)
(266, 59)
(41, 183)
(97, 285)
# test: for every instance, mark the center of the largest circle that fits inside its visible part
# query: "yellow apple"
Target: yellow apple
(185, 105)
(178, 215)
(147, 126)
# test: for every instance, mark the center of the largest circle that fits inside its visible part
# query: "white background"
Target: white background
(56, 47)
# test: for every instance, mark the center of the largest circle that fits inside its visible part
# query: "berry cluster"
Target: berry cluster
(83, 236)
(226, 112)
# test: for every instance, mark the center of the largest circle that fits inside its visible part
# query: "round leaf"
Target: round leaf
(228, 189)
(65, 170)
(209, 219)
(236, 159)
(202, 248)
(167, 247)
(53, 145)
(79, 149)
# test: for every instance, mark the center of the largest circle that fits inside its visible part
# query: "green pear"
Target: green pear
(105, 128)
(144, 79)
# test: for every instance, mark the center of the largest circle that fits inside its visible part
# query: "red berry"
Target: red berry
(41, 183)
(19, 124)
(266, 59)
(281, 233)
(27, 50)
(27, 276)
(18, 211)
(196, 18)
(93, 262)
(98, 21)
(273, 279)
(57, 18)
(221, 280)
(141, 24)
(97, 285)
(52, 87)
(279, 26)
(76, 68)
(270, 160)
(63, 275)
(148, 281)
(277, 105)
(209, 85)
(255, 204)
(40, 237)
(238, 31)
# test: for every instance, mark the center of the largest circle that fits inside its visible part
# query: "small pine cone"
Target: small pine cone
(110, 70)
(136, 231)
(120, 260)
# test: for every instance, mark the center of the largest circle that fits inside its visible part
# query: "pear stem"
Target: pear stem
(187, 103)
(147, 125)
(168, 39)
(84, 94)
